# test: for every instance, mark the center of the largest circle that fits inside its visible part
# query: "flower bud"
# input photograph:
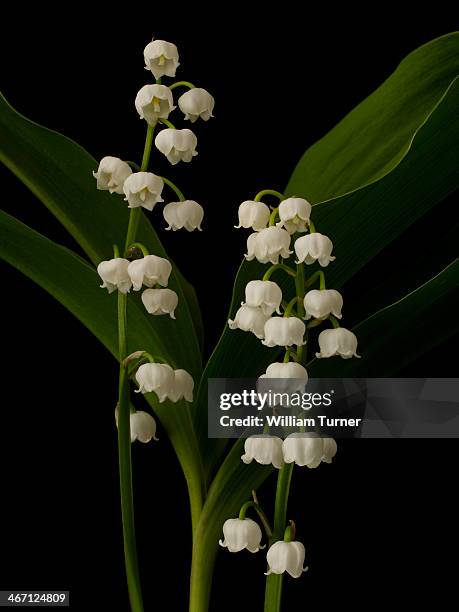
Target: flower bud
(251, 319)
(111, 174)
(294, 214)
(160, 301)
(322, 303)
(149, 271)
(177, 145)
(253, 214)
(188, 215)
(195, 103)
(241, 533)
(264, 294)
(157, 378)
(284, 331)
(314, 247)
(114, 273)
(286, 557)
(308, 449)
(268, 245)
(264, 449)
(143, 189)
(161, 58)
(183, 386)
(154, 102)
(338, 341)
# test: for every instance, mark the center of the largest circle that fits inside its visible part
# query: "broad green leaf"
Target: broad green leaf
(372, 139)
(59, 172)
(360, 224)
(74, 283)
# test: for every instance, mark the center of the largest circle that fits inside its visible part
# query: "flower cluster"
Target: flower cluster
(285, 322)
(144, 189)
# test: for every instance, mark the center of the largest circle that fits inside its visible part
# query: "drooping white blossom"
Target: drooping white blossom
(241, 533)
(268, 245)
(157, 378)
(177, 145)
(294, 214)
(161, 58)
(111, 174)
(142, 426)
(154, 102)
(266, 295)
(285, 377)
(251, 319)
(160, 301)
(338, 341)
(253, 214)
(308, 449)
(195, 103)
(284, 331)
(264, 449)
(286, 557)
(114, 274)
(183, 386)
(149, 271)
(314, 247)
(183, 215)
(143, 189)
(320, 303)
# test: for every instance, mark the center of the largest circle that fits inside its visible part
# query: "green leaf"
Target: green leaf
(59, 172)
(74, 283)
(395, 335)
(372, 139)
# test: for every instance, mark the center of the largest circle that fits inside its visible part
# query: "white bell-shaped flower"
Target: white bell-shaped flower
(320, 303)
(268, 245)
(183, 386)
(284, 378)
(263, 294)
(314, 247)
(308, 449)
(286, 557)
(143, 427)
(177, 145)
(253, 214)
(157, 378)
(195, 103)
(284, 331)
(338, 341)
(251, 319)
(187, 214)
(111, 174)
(161, 58)
(143, 189)
(264, 449)
(149, 271)
(241, 533)
(114, 273)
(294, 214)
(154, 102)
(160, 301)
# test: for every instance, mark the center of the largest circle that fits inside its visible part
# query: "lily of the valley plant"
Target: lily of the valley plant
(352, 194)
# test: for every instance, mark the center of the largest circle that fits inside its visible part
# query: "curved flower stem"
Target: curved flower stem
(273, 591)
(312, 227)
(279, 266)
(182, 84)
(125, 467)
(334, 322)
(272, 216)
(134, 216)
(290, 305)
(272, 192)
(168, 123)
(312, 279)
(264, 519)
(140, 246)
(174, 188)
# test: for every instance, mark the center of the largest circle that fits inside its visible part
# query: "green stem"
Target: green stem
(273, 591)
(299, 284)
(267, 275)
(168, 123)
(312, 279)
(125, 467)
(272, 192)
(290, 305)
(140, 246)
(334, 322)
(312, 227)
(179, 194)
(182, 84)
(264, 519)
(272, 216)
(135, 214)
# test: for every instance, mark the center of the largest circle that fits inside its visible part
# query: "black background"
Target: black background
(379, 523)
